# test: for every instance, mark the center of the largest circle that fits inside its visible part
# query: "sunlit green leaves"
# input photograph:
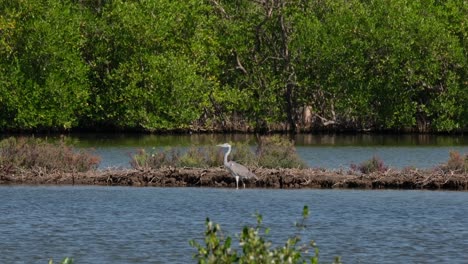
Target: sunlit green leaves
(64, 261)
(158, 64)
(383, 64)
(147, 77)
(43, 74)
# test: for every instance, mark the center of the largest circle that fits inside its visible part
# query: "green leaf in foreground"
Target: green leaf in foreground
(254, 246)
(66, 260)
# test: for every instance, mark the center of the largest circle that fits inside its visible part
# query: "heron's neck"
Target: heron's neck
(226, 155)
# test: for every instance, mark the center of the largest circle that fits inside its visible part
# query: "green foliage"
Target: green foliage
(145, 75)
(43, 77)
(194, 157)
(243, 154)
(383, 64)
(375, 164)
(214, 156)
(158, 65)
(64, 261)
(254, 246)
(32, 153)
(277, 152)
(172, 157)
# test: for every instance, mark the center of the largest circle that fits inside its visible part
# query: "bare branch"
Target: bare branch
(239, 64)
(326, 122)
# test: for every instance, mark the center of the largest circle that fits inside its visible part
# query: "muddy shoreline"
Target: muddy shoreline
(267, 178)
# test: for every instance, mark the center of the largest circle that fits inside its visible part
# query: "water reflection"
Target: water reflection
(380, 140)
(318, 150)
(364, 139)
(301, 139)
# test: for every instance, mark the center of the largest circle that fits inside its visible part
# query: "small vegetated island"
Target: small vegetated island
(274, 162)
(250, 66)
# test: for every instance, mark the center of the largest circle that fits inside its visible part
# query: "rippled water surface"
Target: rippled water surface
(154, 225)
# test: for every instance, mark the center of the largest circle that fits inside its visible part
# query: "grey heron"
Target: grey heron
(237, 170)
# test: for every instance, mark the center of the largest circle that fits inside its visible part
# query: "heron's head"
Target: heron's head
(225, 145)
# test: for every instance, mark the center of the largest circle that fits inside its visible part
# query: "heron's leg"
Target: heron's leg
(243, 182)
(237, 182)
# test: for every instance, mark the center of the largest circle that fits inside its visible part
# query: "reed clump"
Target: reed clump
(277, 152)
(456, 163)
(196, 157)
(375, 164)
(271, 152)
(155, 159)
(36, 154)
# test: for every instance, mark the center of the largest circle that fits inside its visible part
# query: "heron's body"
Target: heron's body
(237, 170)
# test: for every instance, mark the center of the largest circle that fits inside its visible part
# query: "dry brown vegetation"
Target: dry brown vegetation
(30, 154)
(271, 152)
(267, 178)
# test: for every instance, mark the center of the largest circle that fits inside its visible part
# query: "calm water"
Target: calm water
(317, 150)
(326, 151)
(154, 225)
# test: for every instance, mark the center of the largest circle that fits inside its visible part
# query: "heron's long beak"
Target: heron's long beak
(220, 145)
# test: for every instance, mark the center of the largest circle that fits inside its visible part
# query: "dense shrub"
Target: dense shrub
(172, 157)
(277, 152)
(214, 156)
(375, 164)
(33, 153)
(243, 154)
(204, 157)
(233, 65)
(254, 245)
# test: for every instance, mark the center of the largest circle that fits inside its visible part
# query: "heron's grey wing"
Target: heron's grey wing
(241, 170)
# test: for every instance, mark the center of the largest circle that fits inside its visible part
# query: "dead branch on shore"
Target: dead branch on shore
(267, 178)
